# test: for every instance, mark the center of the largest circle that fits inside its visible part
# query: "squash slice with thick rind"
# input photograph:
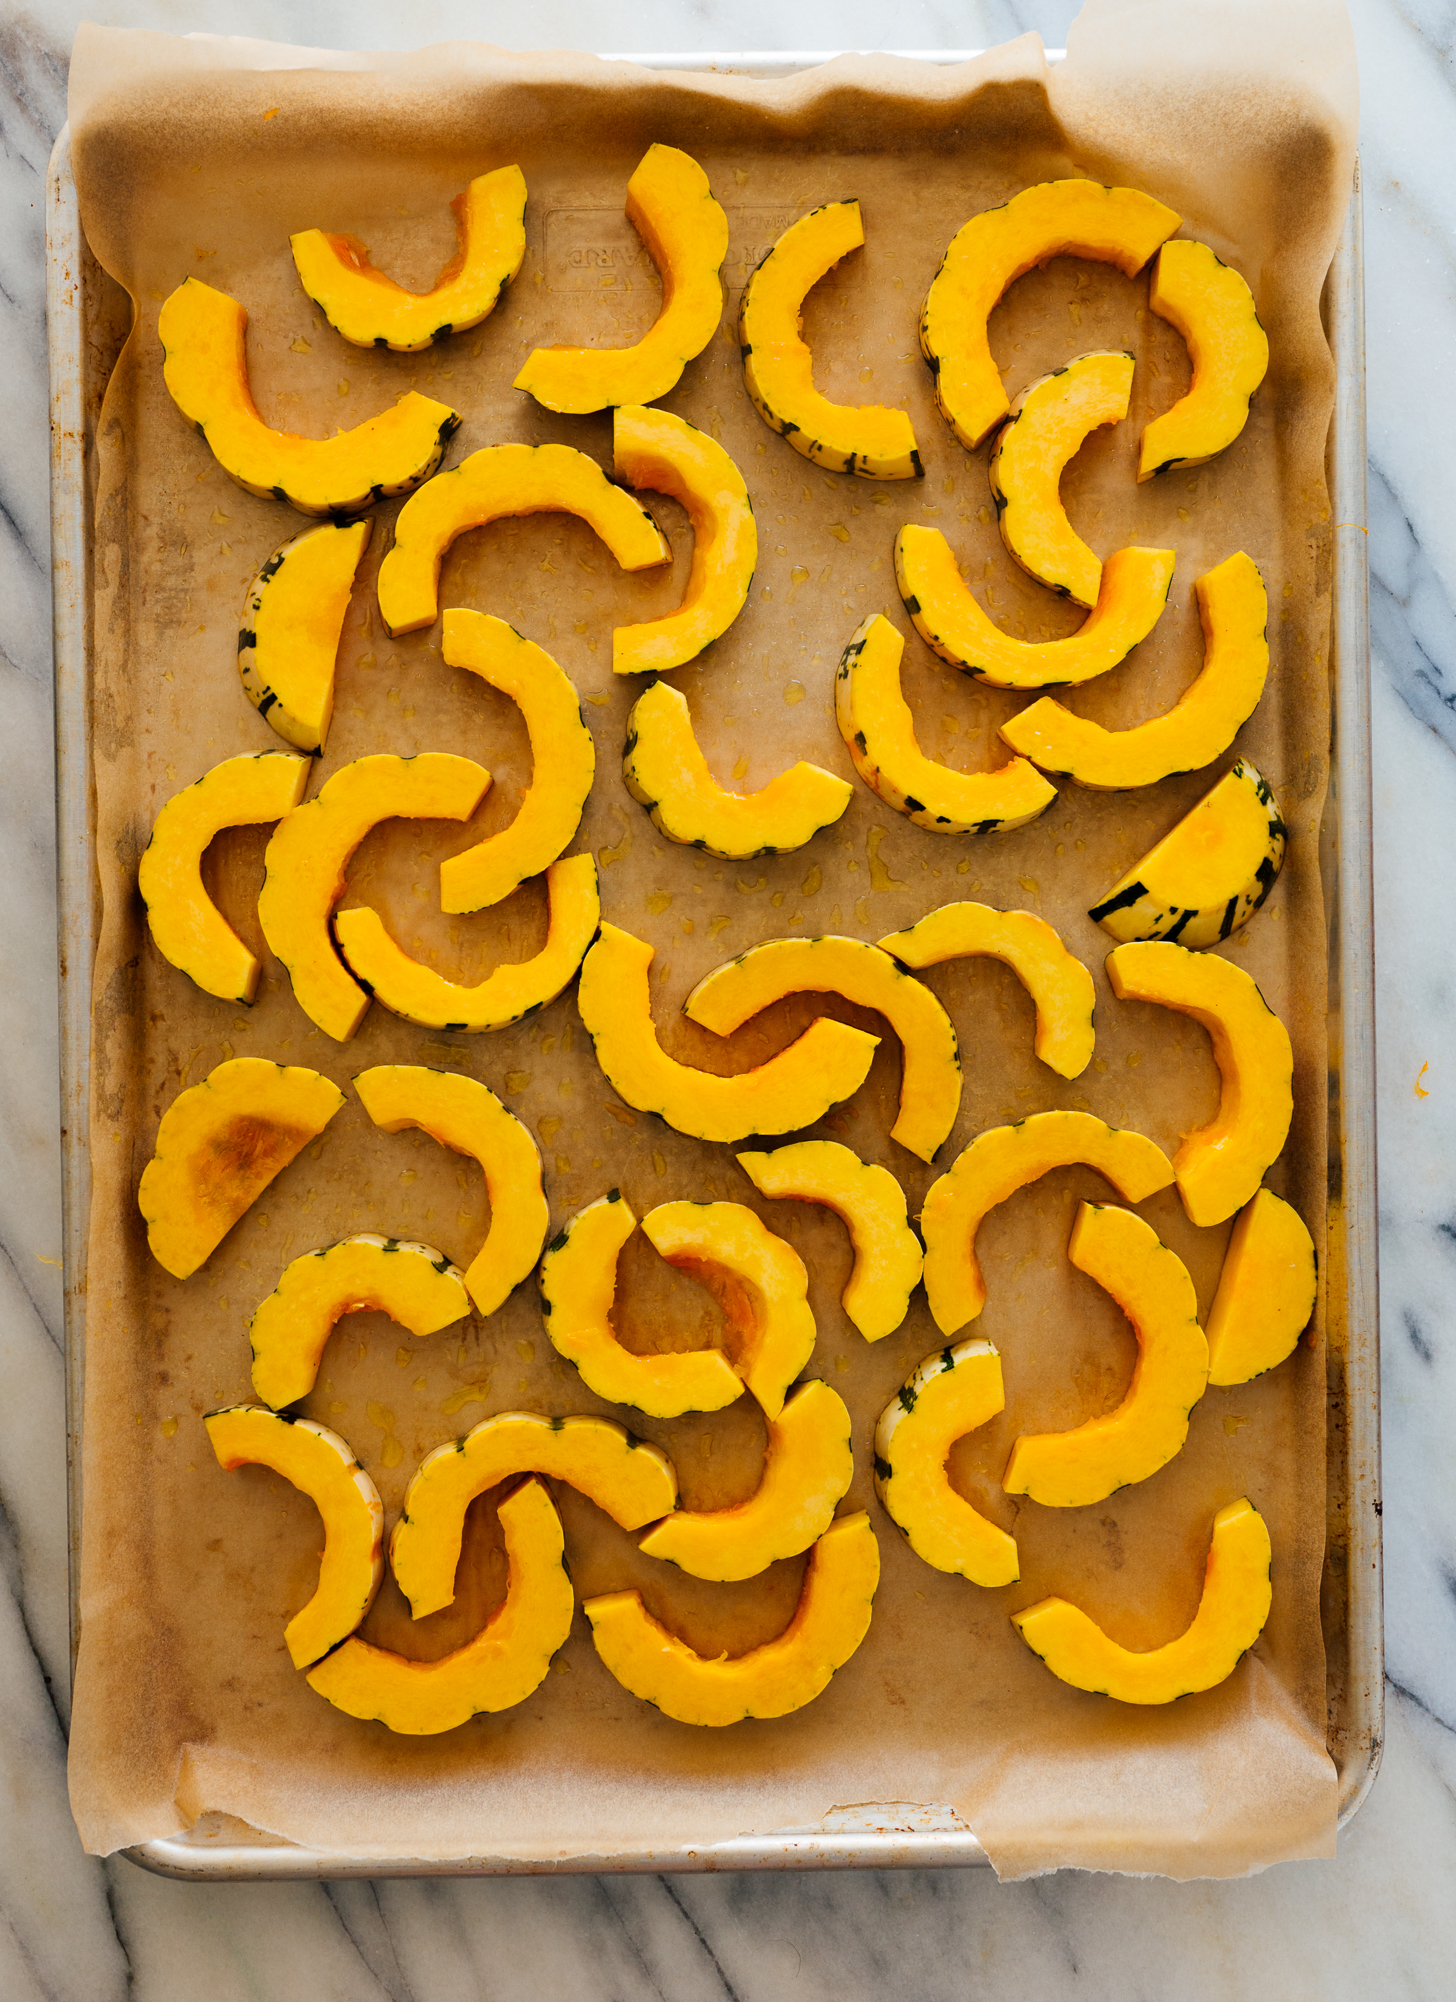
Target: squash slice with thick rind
(1209, 874)
(953, 1392)
(1266, 1291)
(293, 619)
(1213, 309)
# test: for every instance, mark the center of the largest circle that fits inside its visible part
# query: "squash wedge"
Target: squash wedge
(953, 1392)
(1266, 1291)
(1213, 309)
(289, 643)
(1209, 874)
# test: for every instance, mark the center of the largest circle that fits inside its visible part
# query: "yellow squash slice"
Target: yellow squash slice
(206, 371)
(1213, 309)
(218, 1147)
(807, 1469)
(1151, 1285)
(1057, 219)
(1266, 1291)
(369, 309)
(307, 861)
(1231, 1613)
(654, 449)
(930, 1087)
(667, 773)
(1202, 723)
(289, 641)
(1209, 874)
(671, 207)
(321, 1465)
(465, 1115)
(413, 1283)
(778, 368)
(1002, 1160)
(497, 481)
(783, 1675)
(187, 927)
(871, 1204)
(953, 1392)
(408, 988)
(629, 1479)
(826, 1065)
(1059, 985)
(876, 724)
(499, 1668)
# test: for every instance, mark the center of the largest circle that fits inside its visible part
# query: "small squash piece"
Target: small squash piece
(877, 726)
(832, 1618)
(289, 642)
(871, 1204)
(465, 1115)
(1202, 723)
(1057, 219)
(953, 1392)
(307, 860)
(798, 1085)
(368, 308)
(218, 1147)
(187, 927)
(321, 1465)
(1219, 1166)
(497, 481)
(206, 372)
(1002, 1160)
(778, 368)
(1213, 309)
(1266, 1291)
(667, 773)
(1209, 874)
(1237, 1595)
(633, 1482)
(672, 209)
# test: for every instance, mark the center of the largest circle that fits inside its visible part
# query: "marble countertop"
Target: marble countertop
(1378, 1921)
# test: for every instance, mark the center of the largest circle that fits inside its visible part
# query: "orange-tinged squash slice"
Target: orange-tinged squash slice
(1213, 309)
(953, 1392)
(1266, 1291)
(1209, 874)
(289, 642)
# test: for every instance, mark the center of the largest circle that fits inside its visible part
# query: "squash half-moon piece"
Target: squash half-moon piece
(1213, 309)
(953, 1392)
(1266, 1291)
(1209, 874)
(294, 616)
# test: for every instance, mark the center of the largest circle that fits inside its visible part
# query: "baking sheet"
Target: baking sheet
(886, 894)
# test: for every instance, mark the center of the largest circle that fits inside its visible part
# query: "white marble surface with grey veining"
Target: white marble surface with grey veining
(1380, 1921)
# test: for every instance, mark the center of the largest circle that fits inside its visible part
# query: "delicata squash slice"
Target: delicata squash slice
(206, 371)
(187, 927)
(1213, 309)
(953, 1392)
(289, 642)
(1209, 874)
(368, 308)
(671, 207)
(1266, 1291)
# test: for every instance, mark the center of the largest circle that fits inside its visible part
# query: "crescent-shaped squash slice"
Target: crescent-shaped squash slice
(465, 1115)
(500, 1667)
(630, 1480)
(1209, 874)
(671, 207)
(1213, 309)
(321, 1465)
(1202, 723)
(778, 368)
(563, 761)
(930, 1085)
(1057, 219)
(871, 1204)
(876, 724)
(218, 1147)
(654, 449)
(206, 372)
(187, 927)
(1002, 1160)
(368, 308)
(667, 773)
(1059, 985)
(1151, 1285)
(1231, 1613)
(578, 1287)
(413, 1283)
(1135, 586)
(497, 481)
(832, 1618)
(408, 988)
(953, 1392)
(289, 642)
(1219, 1166)
(1266, 1291)
(306, 866)
(826, 1065)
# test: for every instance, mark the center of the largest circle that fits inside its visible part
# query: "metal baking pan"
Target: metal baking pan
(88, 319)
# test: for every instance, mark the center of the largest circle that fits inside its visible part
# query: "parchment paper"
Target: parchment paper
(199, 156)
